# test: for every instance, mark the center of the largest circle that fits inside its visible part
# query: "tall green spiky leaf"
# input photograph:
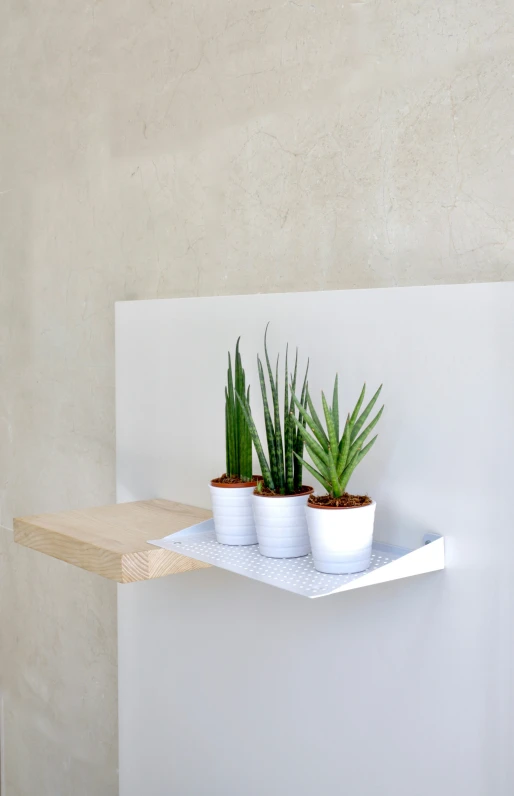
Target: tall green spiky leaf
(270, 431)
(238, 415)
(238, 441)
(298, 444)
(227, 435)
(282, 470)
(265, 469)
(320, 431)
(288, 426)
(246, 464)
(278, 473)
(232, 469)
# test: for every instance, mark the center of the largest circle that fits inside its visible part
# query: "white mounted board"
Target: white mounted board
(402, 689)
(298, 575)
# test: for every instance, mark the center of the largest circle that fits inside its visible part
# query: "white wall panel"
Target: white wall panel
(229, 687)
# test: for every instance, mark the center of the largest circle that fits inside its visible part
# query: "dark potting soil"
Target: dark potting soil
(346, 501)
(231, 479)
(264, 490)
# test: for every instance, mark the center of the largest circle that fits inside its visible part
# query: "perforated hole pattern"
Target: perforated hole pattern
(294, 574)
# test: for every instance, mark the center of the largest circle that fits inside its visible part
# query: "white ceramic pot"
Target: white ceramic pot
(233, 513)
(281, 525)
(341, 539)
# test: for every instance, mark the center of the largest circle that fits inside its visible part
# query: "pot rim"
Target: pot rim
(306, 490)
(341, 508)
(243, 485)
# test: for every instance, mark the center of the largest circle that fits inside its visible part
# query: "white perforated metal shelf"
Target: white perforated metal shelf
(298, 574)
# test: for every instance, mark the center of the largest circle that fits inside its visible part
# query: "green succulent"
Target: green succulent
(237, 434)
(282, 471)
(335, 458)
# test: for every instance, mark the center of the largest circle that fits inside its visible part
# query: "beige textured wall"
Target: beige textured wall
(58, 676)
(157, 148)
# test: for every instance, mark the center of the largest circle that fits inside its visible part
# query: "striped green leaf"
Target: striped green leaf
(323, 481)
(344, 447)
(356, 460)
(298, 440)
(364, 416)
(265, 469)
(335, 405)
(270, 431)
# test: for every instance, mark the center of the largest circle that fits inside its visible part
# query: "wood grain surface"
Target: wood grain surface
(112, 540)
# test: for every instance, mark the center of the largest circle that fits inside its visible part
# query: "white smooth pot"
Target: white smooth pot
(233, 514)
(341, 539)
(281, 525)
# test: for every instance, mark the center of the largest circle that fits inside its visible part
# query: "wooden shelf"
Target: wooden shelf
(112, 540)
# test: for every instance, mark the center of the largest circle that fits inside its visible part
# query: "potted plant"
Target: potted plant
(279, 499)
(340, 524)
(231, 494)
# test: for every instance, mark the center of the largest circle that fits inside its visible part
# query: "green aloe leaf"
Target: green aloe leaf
(335, 490)
(324, 483)
(360, 440)
(335, 460)
(356, 460)
(310, 441)
(364, 416)
(332, 437)
(324, 469)
(309, 421)
(358, 405)
(317, 421)
(344, 447)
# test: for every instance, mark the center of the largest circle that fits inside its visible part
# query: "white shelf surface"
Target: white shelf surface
(298, 574)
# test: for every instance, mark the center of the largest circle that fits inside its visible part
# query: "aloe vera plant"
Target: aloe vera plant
(282, 471)
(237, 433)
(335, 458)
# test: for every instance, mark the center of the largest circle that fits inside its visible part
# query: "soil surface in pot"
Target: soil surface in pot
(346, 501)
(304, 490)
(234, 479)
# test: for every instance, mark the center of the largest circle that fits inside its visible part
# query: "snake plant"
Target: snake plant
(335, 458)
(282, 470)
(237, 433)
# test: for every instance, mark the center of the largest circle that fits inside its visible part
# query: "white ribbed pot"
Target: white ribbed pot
(281, 524)
(341, 538)
(233, 513)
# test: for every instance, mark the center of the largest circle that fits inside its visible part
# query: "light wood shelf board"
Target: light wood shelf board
(111, 540)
